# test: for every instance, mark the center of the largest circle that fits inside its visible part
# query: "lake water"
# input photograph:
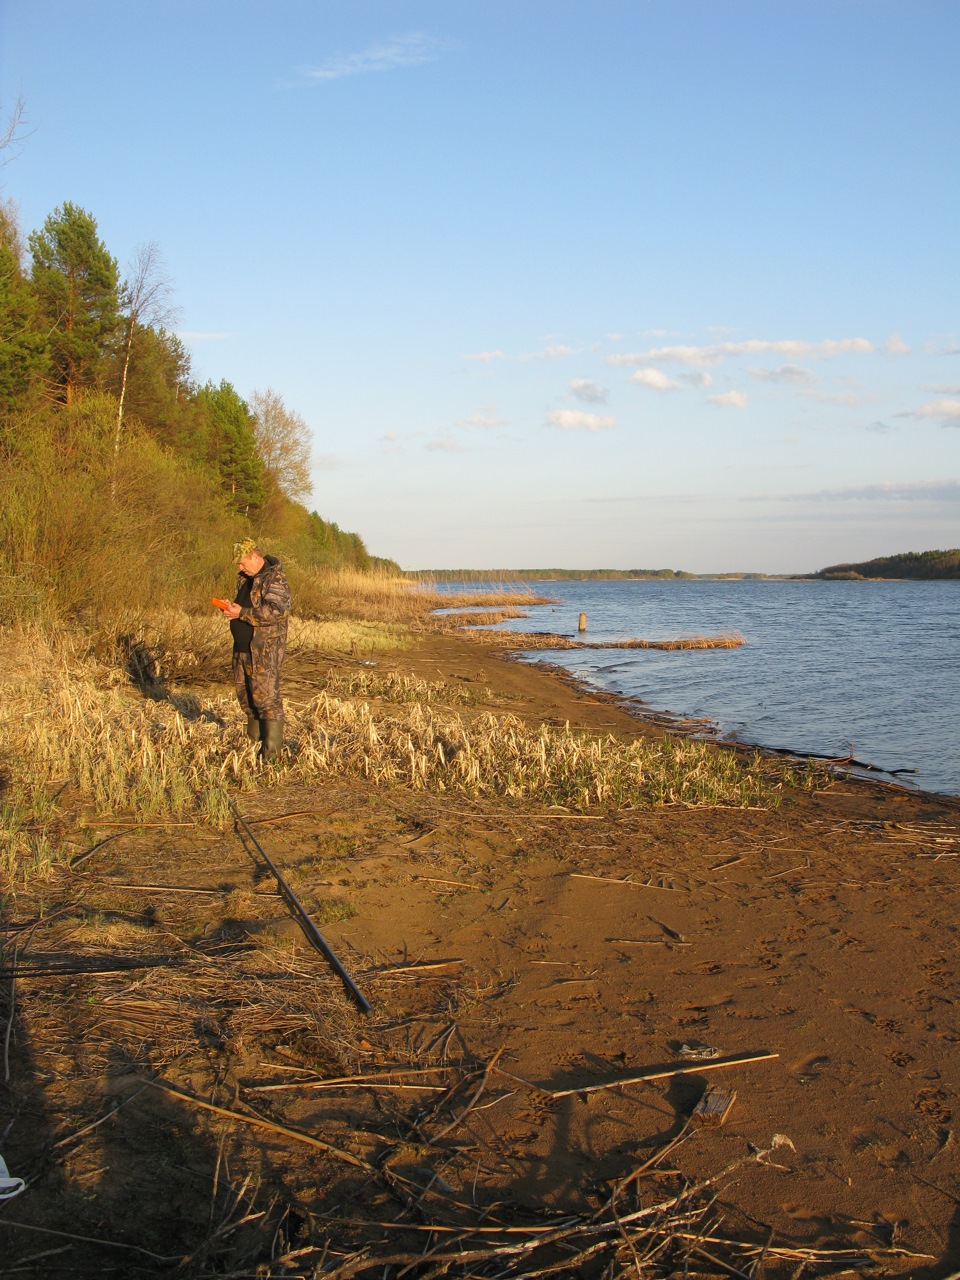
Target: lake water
(868, 669)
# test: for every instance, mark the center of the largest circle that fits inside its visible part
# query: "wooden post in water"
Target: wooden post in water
(583, 622)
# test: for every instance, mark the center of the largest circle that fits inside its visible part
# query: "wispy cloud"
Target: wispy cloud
(952, 389)
(587, 391)
(577, 420)
(947, 411)
(654, 379)
(446, 444)
(486, 356)
(485, 421)
(326, 462)
(699, 379)
(895, 346)
(555, 352)
(790, 348)
(849, 399)
(729, 399)
(410, 50)
(886, 491)
(793, 373)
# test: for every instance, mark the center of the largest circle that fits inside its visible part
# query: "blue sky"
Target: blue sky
(625, 283)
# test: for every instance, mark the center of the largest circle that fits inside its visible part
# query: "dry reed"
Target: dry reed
(525, 640)
(68, 717)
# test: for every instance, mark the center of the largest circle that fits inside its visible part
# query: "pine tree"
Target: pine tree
(231, 445)
(22, 343)
(77, 286)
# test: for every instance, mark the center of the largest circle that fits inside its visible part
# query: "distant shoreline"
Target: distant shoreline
(666, 575)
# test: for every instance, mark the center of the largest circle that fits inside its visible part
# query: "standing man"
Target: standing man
(258, 622)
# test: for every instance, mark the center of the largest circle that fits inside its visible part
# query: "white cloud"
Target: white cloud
(405, 51)
(326, 462)
(486, 356)
(948, 411)
(729, 399)
(587, 391)
(794, 373)
(850, 399)
(791, 348)
(701, 379)
(895, 346)
(886, 491)
(555, 352)
(575, 419)
(446, 444)
(486, 421)
(655, 379)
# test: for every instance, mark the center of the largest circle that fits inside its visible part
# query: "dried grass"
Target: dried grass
(69, 718)
(525, 640)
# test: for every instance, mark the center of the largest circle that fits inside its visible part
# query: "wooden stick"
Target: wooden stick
(13, 998)
(282, 817)
(631, 884)
(257, 1122)
(681, 1069)
(307, 926)
(110, 823)
(75, 862)
(473, 1101)
(457, 884)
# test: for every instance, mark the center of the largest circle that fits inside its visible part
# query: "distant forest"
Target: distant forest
(124, 481)
(573, 575)
(909, 564)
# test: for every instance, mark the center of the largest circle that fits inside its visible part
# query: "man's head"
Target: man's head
(249, 557)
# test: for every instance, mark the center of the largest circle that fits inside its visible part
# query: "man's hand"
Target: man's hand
(231, 611)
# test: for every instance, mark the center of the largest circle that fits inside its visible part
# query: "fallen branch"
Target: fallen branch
(679, 1069)
(258, 1122)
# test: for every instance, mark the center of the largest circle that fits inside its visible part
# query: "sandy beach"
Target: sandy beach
(794, 966)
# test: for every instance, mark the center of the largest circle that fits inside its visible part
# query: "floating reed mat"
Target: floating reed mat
(555, 640)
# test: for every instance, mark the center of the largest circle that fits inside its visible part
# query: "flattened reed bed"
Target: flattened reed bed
(71, 718)
(523, 640)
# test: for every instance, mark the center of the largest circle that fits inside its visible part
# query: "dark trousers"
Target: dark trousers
(258, 688)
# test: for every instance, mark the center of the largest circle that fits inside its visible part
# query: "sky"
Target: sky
(554, 283)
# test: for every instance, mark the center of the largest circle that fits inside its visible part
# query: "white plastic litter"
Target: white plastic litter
(9, 1187)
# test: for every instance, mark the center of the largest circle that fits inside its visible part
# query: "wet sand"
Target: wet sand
(582, 949)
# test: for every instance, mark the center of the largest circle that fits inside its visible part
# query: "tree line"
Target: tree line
(114, 457)
(908, 564)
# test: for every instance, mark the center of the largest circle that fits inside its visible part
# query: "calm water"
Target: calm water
(869, 669)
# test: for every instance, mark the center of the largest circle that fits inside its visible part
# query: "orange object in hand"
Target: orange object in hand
(219, 604)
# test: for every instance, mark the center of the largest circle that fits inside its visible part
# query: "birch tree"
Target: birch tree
(284, 444)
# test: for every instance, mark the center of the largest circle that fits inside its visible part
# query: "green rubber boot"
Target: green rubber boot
(253, 729)
(271, 745)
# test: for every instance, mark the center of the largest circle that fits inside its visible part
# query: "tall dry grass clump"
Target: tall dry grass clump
(69, 719)
(425, 746)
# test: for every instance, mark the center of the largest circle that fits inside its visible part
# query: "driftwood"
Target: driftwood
(307, 926)
(659, 1073)
(258, 1122)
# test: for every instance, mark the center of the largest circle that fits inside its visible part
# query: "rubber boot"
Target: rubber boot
(271, 744)
(253, 729)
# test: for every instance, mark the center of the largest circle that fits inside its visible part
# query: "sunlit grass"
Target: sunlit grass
(68, 718)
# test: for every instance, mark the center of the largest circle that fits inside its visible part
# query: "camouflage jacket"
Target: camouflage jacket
(267, 612)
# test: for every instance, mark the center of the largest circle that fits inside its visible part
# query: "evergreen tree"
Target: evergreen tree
(231, 444)
(22, 342)
(77, 286)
